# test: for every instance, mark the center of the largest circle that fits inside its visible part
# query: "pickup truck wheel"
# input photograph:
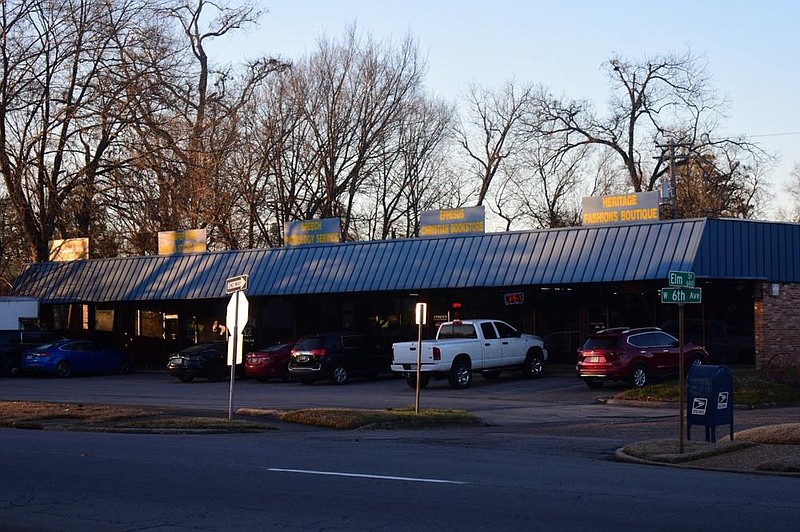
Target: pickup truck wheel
(534, 366)
(339, 375)
(424, 379)
(460, 374)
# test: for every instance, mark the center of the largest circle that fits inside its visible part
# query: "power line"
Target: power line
(788, 133)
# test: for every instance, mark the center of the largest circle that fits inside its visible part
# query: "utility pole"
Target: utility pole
(673, 178)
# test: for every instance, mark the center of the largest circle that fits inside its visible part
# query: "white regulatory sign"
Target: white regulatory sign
(236, 284)
(236, 318)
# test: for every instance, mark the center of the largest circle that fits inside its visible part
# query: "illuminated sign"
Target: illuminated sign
(620, 209)
(308, 232)
(69, 249)
(466, 220)
(514, 298)
(189, 241)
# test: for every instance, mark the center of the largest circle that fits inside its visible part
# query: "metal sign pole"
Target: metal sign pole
(419, 364)
(681, 380)
(233, 359)
(421, 317)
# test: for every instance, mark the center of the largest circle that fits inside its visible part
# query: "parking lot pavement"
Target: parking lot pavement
(556, 403)
(507, 401)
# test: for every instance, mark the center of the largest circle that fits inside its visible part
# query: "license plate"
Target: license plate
(593, 359)
(302, 358)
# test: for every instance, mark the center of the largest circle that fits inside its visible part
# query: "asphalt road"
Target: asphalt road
(543, 461)
(328, 480)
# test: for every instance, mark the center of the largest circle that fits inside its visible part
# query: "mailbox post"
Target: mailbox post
(710, 400)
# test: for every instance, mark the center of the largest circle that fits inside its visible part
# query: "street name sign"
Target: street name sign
(681, 295)
(677, 278)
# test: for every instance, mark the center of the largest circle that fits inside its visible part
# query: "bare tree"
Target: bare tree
(59, 111)
(723, 181)
(793, 188)
(653, 101)
(186, 124)
(409, 178)
(494, 131)
(549, 183)
(350, 97)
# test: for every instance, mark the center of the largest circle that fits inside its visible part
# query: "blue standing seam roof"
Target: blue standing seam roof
(713, 249)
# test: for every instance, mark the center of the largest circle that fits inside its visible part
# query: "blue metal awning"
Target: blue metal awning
(722, 249)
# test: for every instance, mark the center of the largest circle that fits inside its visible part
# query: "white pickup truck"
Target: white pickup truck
(462, 347)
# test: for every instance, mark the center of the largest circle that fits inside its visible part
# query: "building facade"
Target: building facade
(560, 283)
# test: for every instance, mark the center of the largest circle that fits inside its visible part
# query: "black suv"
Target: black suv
(339, 356)
(209, 360)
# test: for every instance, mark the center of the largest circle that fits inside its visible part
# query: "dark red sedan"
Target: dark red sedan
(633, 355)
(269, 363)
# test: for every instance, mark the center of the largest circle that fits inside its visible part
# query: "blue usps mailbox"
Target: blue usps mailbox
(709, 399)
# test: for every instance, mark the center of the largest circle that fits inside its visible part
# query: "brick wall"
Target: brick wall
(777, 321)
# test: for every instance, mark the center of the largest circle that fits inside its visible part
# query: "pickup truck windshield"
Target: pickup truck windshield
(457, 331)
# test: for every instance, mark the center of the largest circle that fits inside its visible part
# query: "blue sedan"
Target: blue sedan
(65, 357)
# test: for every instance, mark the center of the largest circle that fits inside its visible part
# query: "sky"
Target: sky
(752, 50)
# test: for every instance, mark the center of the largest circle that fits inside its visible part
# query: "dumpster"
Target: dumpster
(709, 391)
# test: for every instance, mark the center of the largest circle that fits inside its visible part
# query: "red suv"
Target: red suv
(634, 355)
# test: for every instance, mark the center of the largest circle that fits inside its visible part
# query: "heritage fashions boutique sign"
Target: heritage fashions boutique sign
(308, 232)
(452, 221)
(620, 209)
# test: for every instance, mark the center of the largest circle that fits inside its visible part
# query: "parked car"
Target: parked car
(14, 343)
(269, 362)
(723, 344)
(562, 346)
(65, 357)
(207, 360)
(633, 355)
(462, 347)
(339, 356)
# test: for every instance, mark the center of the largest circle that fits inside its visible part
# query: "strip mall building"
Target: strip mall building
(560, 283)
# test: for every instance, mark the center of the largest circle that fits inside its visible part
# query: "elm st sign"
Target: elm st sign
(681, 289)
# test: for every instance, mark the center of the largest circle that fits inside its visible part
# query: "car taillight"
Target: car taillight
(437, 353)
(319, 352)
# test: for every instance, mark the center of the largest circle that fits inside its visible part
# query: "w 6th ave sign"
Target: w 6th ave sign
(681, 295)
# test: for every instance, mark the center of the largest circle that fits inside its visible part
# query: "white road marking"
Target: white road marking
(357, 475)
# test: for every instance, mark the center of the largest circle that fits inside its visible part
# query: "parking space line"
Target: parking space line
(359, 475)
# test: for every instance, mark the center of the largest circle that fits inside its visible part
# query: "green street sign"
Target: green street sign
(681, 295)
(681, 279)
